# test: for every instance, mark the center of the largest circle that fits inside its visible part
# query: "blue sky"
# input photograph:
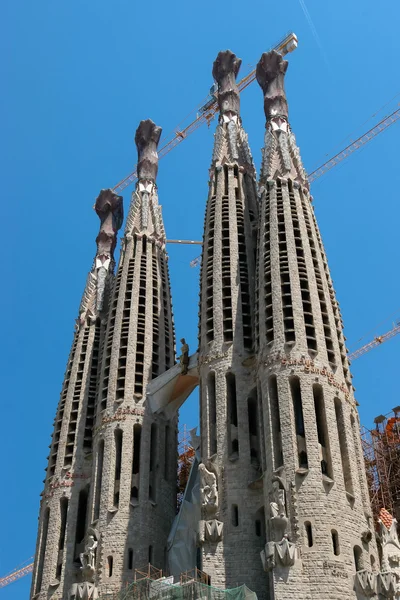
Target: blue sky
(78, 77)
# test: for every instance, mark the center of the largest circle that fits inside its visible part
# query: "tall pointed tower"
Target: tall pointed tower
(63, 504)
(133, 498)
(319, 525)
(231, 530)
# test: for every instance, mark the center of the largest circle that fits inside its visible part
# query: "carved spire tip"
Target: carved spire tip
(146, 138)
(270, 74)
(225, 69)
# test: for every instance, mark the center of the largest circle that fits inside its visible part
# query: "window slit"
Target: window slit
(243, 271)
(212, 410)
(118, 461)
(288, 321)
(253, 421)
(141, 322)
(275, 422)
(226, 270)
(156, 317)
(232, 415)
(99, 478)
(269, 320)
(42, 551)
(322, 430)
(299, 422)
(61, 539)
(153, 462)
(344, 453)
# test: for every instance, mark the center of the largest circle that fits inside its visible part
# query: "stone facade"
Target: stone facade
(232, 527)
(318, 517)
(110, 490)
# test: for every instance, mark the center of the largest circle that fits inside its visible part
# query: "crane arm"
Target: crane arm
(21, 572)
(361, 141)
(375, 342)
(210, 109)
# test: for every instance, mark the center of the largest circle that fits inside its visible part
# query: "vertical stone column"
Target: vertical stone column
(232, 523)
(318, 517)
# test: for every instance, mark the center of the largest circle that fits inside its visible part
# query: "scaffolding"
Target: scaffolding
(381, 447)
(150, 584)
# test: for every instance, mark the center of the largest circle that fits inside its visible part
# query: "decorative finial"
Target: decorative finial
(147, 137)
(270, 75)
(225, 69)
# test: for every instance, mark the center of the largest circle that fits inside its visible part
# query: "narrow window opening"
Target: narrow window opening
(81, 521)
(153, 461)
(344, 453)
(61, 539)
(212, 412)
(130, 559)
(166, 453)
(232, 414)
(151, 554)
(110, 562)
(322, 429)
(43, 544)
(99, 477)
(235, 515)
(259, 525)
(275, 421)
(252, 412)
(357, 558)
(258, 528)
(299, 422)
(137, 432)
(309, 534)
(118, 461)
(335, 542)
(373, 563)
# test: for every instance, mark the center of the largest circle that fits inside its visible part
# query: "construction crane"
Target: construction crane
(207, 111)
(375, 342)
(24, 569)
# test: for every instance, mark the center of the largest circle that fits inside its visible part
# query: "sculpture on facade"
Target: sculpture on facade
(208, 489)
(88, 556)
(184, 357)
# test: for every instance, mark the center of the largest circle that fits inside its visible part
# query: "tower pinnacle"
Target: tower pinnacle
(146, 139)
(225, 69)
(270, 75)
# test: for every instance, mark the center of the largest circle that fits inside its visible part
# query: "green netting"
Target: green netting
(149, 589)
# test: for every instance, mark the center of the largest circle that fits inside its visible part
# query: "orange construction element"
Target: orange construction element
(23, 570)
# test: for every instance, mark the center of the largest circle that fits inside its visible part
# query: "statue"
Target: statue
(88, 557)
(184, 357)
(279, 519)
(208, 489)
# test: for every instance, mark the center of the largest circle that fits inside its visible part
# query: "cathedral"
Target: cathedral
(277, 499)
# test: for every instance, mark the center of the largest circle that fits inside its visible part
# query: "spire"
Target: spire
(281, 156)
(109, 209)
(145, 213)
(231, 145)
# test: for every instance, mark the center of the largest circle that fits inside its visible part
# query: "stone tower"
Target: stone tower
(110, 489)
(61, 528)
(318, 517)
(231, 530)
(133, 497)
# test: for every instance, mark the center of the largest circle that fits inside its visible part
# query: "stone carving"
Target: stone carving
(366, 583)
(88, 557)
(387, 584)
(184, 357)
(208, 489)
(270, 75)
(279, 520)
(213, 530)
(268, 556)
(286, 552)
(225, 69)
(390, 542)
(147, 137)
(84, 591)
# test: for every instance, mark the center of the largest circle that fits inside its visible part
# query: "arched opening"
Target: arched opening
(118, 462)
(322, 430)
(232, 415)
(235, 515)
(81, 521)
(344, 451)
(309, 534)
(42, 551)
(275, 421)
(212, 412)
(153, 462)
(110, 564)
(61, 539)
(130, 559)
(252, 415)
(99, 478)
(357, 552)
(299, 422)
(335, 542)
